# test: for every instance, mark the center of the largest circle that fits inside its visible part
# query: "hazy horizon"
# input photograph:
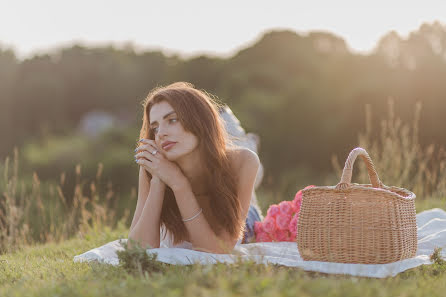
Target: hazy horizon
(198, 27)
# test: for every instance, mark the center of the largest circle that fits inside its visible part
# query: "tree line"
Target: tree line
(304, 95)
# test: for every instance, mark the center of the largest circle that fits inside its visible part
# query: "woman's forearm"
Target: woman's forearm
(141, 201)
(201, 234)
(139, 206)
(146, 230)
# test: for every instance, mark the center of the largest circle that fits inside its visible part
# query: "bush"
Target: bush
(134, 259)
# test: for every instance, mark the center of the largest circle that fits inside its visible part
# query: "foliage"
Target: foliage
(298, 92)
(399, 157)
(439, 264)
(134, 258)
(32, 211)
(436, 257)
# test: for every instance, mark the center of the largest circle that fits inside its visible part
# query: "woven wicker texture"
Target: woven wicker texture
(357, 223)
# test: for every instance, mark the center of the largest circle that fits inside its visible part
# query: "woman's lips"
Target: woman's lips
(169, 146)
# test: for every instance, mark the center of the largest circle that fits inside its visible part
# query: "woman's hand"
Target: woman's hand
(157, 165)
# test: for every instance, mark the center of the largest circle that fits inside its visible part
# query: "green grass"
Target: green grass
(49, 270)
(422, 205)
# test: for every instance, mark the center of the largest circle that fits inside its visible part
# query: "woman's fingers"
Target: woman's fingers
(150, 146)
(145, 164)
(147, 147)
(147, 155)
(145, 158)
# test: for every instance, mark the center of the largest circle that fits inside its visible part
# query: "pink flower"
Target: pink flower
(273, 210)
(296, 205)
(258, 227)
(297, 202)
(269, 225)
(293, 225)
(298, 195)
(283, 235)
(283, 221)
(286, 207)
(263, 237)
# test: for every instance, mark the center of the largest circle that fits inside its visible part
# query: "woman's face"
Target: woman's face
(167, 128)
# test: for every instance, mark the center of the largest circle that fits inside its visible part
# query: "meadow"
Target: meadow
(42, 229)
(48, 270)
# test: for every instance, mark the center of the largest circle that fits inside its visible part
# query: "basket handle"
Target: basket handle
(348, 168)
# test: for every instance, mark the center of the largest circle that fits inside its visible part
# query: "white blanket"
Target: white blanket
(431, 234)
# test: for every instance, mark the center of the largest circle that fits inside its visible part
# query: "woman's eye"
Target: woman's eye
(155, 130)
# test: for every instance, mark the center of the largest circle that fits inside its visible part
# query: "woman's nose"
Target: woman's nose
(162, 130)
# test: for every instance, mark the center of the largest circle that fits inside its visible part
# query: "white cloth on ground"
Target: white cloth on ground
(431, 234)
(166, 240)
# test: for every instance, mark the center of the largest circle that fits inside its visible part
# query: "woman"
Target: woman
(194, 185)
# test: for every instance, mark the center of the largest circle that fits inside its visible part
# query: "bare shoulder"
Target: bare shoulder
(242, 158)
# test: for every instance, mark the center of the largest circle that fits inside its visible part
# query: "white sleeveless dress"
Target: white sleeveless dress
(166, 240)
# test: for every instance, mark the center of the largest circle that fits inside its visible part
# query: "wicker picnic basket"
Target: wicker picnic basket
(357, 223)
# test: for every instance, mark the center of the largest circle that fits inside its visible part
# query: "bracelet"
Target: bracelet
(190, 219)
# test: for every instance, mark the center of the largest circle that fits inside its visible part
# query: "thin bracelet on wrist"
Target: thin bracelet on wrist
(190, 219)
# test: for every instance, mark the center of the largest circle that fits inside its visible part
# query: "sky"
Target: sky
(207, 27)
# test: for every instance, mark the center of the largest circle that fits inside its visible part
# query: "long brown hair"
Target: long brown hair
(198, 113)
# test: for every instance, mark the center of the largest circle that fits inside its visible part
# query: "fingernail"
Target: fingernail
(141, 139)
(136, 149)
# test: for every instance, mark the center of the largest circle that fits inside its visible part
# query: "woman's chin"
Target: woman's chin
(171, 157)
